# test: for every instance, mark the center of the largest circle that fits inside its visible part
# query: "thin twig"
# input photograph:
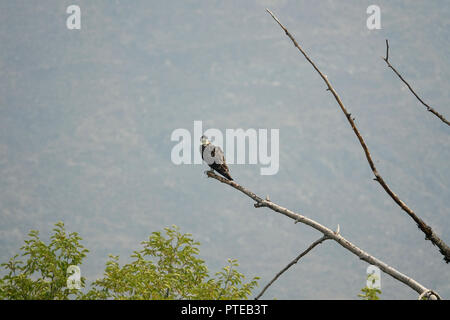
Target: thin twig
(430, 109)
(387, 51)
(314, 244)
(429, 233)
(336, 236)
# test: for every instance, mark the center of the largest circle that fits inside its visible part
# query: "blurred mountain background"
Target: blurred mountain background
(86, 118)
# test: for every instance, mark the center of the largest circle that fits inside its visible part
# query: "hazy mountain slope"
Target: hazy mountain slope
(86, 118)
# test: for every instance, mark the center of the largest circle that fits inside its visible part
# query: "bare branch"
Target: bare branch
(290, 264)
(430, 109)
(336, 236)
(429, 233)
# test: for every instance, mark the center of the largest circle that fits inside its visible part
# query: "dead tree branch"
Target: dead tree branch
(430, 109)
(312, 246)
(336, 236)
(429, 233)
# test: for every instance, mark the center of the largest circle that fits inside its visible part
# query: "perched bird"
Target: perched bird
(214, 157)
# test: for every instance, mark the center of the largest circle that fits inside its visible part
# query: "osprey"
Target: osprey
(214, 157)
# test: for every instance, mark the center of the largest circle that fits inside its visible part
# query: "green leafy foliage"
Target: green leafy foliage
(370, 293)
(167, 267)
(43, 274)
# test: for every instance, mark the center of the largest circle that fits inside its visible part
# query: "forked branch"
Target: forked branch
(429, 233)
(333, 235)
(430, 109)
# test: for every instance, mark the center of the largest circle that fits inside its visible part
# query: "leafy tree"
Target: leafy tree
(44, 273)
(167, 267)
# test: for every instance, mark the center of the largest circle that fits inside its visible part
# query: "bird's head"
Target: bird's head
(204, 141)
